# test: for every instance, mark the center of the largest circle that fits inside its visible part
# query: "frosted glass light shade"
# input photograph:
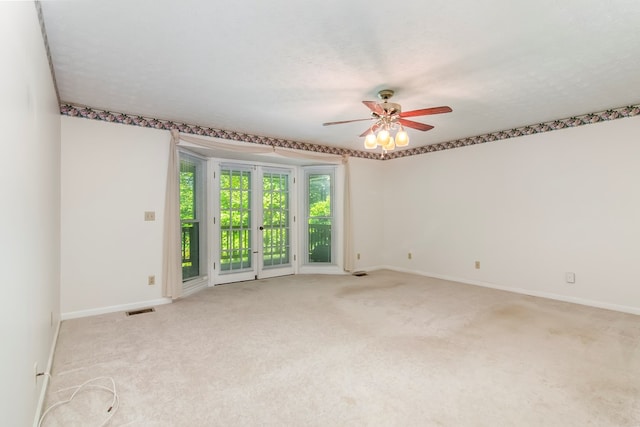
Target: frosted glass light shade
(370, 142)
(383, 137)
(402, 139)
(390, 145)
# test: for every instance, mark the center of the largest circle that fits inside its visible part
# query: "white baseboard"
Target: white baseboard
(548, 295)
(374, 268)
(114, 308)
(308, 269)
(194, 287)
(45, 383)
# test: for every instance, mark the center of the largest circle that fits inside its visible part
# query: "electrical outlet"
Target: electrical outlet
(570, 277)
(152, 280)
(150, 216)
(409, 256)
(477, 265)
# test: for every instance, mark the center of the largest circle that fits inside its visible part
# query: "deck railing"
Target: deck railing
(319, 242)
(190, 250)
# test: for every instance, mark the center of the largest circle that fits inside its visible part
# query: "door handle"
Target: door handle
(261, 228)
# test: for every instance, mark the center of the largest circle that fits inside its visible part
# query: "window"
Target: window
(320, 215)
(191, 212)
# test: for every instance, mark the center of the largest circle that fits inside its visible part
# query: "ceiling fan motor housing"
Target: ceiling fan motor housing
(391, 108)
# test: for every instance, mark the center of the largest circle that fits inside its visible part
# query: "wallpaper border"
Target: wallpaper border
(585, 119)
(131, 119)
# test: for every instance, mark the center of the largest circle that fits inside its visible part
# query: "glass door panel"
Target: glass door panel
(276, 230)
(235, 220)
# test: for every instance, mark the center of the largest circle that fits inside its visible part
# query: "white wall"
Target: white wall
(30, 213)
(111, 175)
(529, 209)
(367, 202)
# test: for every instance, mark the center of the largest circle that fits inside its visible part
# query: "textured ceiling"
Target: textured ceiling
(280, 68)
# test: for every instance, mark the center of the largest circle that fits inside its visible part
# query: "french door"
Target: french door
(254, 222)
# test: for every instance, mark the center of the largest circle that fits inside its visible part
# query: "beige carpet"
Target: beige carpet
(387, 349)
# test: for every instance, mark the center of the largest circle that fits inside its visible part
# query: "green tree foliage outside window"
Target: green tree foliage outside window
(275, 219)
(187, 191)
(236, 244)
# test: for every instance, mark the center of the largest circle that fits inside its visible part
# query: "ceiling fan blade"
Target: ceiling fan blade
(426, 111)
(414, 125)
(374, 106)
(346, 121)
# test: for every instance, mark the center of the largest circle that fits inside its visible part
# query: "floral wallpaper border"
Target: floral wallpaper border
(130, 119)
(586, 119)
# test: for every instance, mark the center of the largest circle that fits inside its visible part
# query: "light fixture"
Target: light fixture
(370, 142)
(402, 138)
(381, 136)
(387, 132)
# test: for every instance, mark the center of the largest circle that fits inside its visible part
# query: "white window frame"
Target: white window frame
(337, 238)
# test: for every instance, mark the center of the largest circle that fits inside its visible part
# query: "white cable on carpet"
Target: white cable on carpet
(87, 384)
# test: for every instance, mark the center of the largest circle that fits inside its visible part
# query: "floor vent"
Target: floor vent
(141, 311)
(359, 273)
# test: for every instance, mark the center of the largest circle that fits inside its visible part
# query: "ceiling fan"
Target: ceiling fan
(388, 116)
